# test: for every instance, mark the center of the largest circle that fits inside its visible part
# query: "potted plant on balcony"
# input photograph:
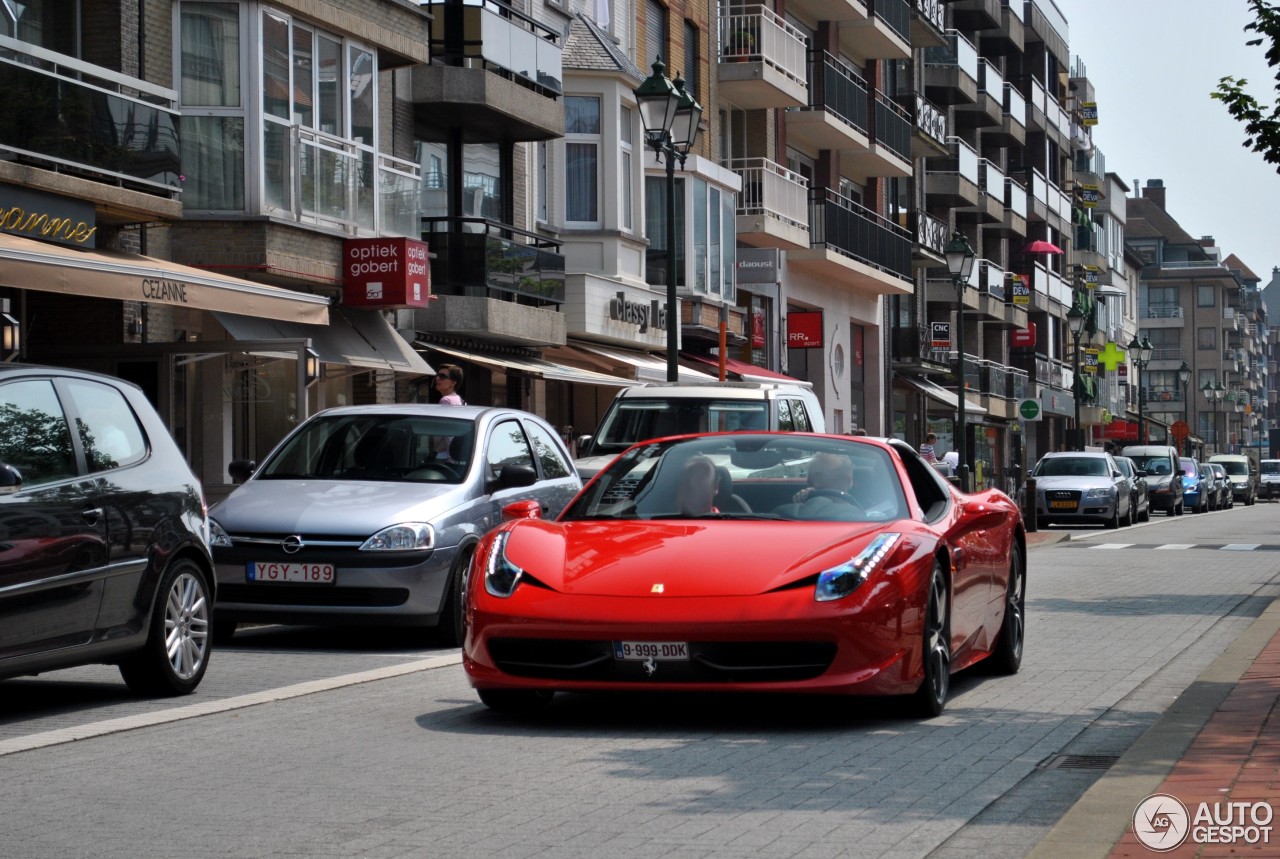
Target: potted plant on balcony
(742, 44)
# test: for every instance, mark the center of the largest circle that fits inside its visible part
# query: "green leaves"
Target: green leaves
(1261, 121)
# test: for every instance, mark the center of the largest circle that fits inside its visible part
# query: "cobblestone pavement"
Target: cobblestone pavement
(414, 766)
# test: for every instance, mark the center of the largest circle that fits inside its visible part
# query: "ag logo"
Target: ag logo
(1161, 822)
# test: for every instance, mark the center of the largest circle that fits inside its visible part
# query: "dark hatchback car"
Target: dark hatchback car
(103, 534)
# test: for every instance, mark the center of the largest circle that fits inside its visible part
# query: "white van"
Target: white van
(672, 408)
(1269, 479)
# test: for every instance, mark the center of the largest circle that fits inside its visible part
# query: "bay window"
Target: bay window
(582, 159)
(712, 226)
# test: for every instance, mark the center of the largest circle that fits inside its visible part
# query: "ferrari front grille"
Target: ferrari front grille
(709, 661)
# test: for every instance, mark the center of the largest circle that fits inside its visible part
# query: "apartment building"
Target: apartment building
(180, 183)
(1202, 311)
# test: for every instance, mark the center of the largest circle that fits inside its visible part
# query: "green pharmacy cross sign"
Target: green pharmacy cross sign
(1111, 356)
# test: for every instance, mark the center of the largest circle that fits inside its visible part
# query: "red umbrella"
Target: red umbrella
(1040, 246)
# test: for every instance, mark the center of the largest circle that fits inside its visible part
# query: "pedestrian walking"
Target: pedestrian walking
(448, 381)
(927, 452)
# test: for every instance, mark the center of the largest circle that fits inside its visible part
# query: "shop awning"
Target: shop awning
(356, 338)
(744, 371)
(941, 395)
(646, 367)
(533, 366)
(28, 264)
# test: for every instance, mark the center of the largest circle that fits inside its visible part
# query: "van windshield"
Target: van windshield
(636, 420)
(1234, 466)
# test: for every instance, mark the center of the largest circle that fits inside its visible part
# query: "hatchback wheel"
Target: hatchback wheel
(176, 652)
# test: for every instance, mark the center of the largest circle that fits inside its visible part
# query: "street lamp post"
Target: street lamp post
(1184, 376)
(1219, 394)
(1141, 351)
(671, 117)
(1075, 321)
(960, 256)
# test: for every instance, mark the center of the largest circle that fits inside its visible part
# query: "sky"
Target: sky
(1153, 64)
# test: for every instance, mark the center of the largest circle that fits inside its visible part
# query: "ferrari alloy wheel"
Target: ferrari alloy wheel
(932, 695)
(517, 701)
(176, 652)
(1007, 657)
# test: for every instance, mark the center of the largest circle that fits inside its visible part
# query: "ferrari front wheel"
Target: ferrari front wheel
(932, 695)
(517, 701)
(1007, 657)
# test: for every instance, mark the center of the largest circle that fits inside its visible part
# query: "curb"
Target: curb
(1101, 817)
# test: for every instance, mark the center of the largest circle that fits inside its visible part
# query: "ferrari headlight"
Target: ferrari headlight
(843, 580)
(405, 537)
(218, 537)
(1104, 492)
(500, 575)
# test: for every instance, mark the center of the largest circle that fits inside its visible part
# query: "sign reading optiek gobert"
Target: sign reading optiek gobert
(390, 272)
(1161, 822)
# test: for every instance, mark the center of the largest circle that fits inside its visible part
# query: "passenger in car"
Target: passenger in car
(696, 492)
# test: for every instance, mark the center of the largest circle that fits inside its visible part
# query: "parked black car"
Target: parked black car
(103, 534)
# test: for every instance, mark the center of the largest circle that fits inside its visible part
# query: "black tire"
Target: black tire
(1146, 517)
(179, 626)
(223, 630)
(935, 639)
(452, 626)
(1114, 522)
(522, 702)
(1007, 657)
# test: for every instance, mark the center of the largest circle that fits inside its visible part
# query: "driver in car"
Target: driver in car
(827, 495)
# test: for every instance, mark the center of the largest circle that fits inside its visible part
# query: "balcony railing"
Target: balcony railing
(320, 179)
(958, 52)
(991, 179)
(757, 34)
(990, 80)
(1015, 198)
(1166, 353)
(893, 126)
(1052, 16)
(931, 120)
(931, 233)
(843, 93)
(1162, 395)
(475, 256)
(934, 12)
(896, 14)
(503, 40)
(991, 278)
(1003, 381)
(1015, 105)
(1052, 372)
(1014, 7)
(848, 228)
(1160, 311)
(965, 161)
(86, 119)
(772, 190)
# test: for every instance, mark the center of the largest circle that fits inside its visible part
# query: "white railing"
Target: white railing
(1059, 202)
(1014, 7)
(1014, 104)
(990, 81)
(962, 54)
(1038, 96)
(756, 33)
(1160, 311)
(1055, 18)
(992, 179)
(966, 159)
(770, 189)
(1016, 197)
(1039, 186)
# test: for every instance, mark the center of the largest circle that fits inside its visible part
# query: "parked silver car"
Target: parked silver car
(1081, 487)
(1139, 494)
(370, 514)
(1225, 499)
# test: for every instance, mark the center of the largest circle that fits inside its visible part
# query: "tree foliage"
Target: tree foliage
(1261, 121)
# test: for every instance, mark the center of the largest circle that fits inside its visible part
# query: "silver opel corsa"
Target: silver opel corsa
(370, 514)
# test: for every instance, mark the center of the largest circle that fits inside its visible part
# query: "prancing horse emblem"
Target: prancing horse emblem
(656, 589)
(650, 667)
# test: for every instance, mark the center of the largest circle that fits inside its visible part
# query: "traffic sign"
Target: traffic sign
(1029, 410)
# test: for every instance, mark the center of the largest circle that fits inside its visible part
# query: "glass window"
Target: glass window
(655, 35)
(304, 76)
(713, 240)
(276, 95)
(582, 159)
(52, 24)
(549, 456)
(210, 45)
(482, 181)
(213, 162)
(1205, 296)
(108, 428)
(691, 78)
(361, 76)
(655, 224)
(729, 247)
(800, 416)
(1206, 338)
(329, 93)
(34, 437)
(625, 177)
(508, 446)
(785, 423)
(699, 235)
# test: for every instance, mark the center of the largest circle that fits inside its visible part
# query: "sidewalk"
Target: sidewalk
(1218, 743)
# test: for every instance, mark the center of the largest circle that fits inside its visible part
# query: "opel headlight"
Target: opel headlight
(218, 537)
(843, 580)
(405, 537)
(500, 575)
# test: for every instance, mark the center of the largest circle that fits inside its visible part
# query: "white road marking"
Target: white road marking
(208, 708)
(1240, 547)
(1176, 546)
(1112, 546)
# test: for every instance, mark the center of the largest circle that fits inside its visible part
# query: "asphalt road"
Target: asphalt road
(361, 743)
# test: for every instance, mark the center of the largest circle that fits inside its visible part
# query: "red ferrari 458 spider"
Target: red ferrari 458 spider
(778, 562)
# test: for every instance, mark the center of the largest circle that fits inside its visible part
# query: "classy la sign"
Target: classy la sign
(622, 309)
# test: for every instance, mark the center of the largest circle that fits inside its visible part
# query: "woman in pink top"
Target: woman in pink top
(448, 380)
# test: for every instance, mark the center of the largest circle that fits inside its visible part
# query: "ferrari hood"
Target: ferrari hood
(690, 559)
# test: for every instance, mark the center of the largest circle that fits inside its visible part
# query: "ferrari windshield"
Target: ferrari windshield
(382, 447)
(772, 476)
